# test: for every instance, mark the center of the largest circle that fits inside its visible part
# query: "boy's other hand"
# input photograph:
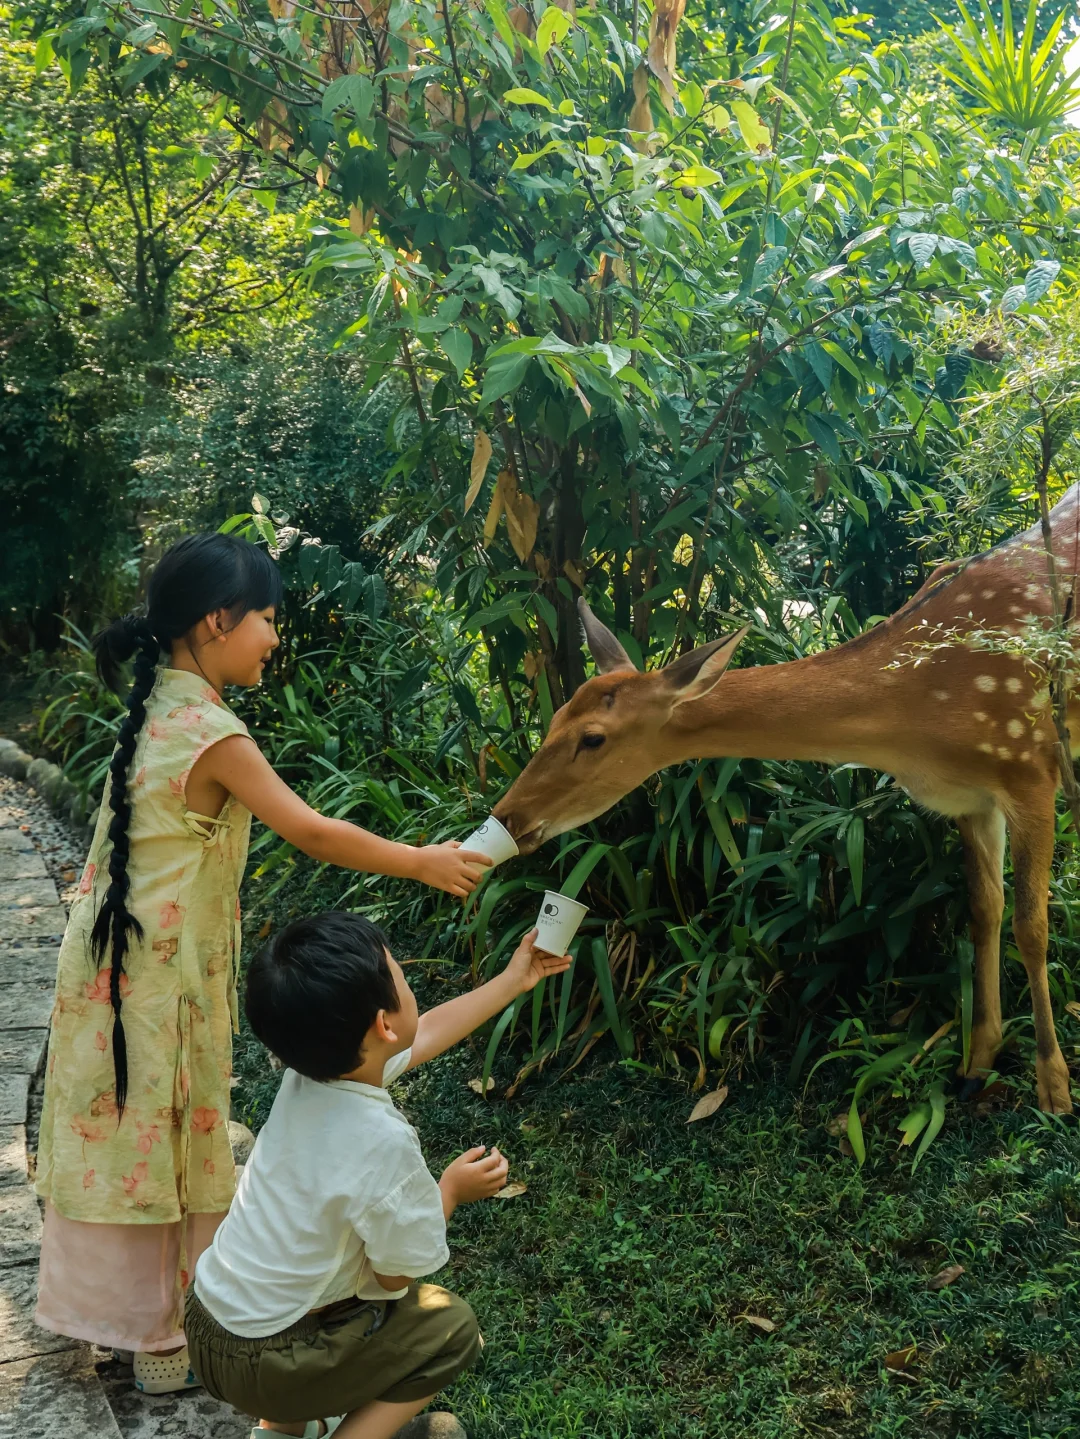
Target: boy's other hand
(475, 1175)
(448, 866)
(529, 965)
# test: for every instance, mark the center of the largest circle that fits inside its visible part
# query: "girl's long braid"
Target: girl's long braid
(198, 576)
(115, 923)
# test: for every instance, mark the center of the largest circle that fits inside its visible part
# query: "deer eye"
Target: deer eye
(591, 741)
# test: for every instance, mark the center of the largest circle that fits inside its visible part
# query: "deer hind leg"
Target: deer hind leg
(1031, 830)
(984, 857)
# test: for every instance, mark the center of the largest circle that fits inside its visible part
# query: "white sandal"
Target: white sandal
(311, 1430)
(164, 1373)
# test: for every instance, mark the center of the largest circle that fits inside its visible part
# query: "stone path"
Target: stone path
(52, 1387)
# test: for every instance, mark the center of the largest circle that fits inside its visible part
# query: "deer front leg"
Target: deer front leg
(984, 856)
(1031, 829)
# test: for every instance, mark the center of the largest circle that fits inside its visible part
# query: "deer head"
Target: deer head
(608, 738)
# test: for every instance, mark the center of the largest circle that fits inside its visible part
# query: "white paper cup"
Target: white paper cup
(558, 921)
(493, 840)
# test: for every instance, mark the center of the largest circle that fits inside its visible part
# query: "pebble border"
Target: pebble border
(52, 784)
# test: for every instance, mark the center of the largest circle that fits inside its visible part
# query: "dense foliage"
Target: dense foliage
(688, 313)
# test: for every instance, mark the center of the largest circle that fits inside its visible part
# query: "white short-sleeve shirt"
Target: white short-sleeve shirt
(335, 1188)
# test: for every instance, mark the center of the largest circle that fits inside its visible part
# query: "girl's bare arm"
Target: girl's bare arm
(236, 766)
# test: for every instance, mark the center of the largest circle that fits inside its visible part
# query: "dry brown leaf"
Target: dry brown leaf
(900, 1359)
(944, 1277)
(532, 664)
(522, 515)
(708, 1104)
(903, 1015)
(1073, 1008)
(939, 1033)
(574, 573)
(360, 220)
(68, 876)
(641, 117)
(845, 1148)
(481, 455)
(322, 175)
(661, 53)
(495, 509)
(478, 1088)
(837, 1124)
(522, 21)
(511, 1191)
(264, 931)
(759, 1321)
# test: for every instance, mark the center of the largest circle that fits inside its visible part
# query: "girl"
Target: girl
(134, 1160)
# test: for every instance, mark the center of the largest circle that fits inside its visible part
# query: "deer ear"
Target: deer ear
(694, 675)
(604, 647)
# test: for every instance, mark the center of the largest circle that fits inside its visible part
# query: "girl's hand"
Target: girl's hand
(529, 965)
(472, 1176)
(448, 866)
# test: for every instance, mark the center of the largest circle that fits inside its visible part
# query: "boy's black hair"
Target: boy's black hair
(313, 992)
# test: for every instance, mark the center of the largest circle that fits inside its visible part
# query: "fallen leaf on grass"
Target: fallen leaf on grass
(944, 1277)
(68, 876)
(511, 1191)
(900, 1359)
(759, 1320)
(478, 1088)
(264, 931)
(903, 1015)
(708, 1104)
(837, 1124)
(846, 1149)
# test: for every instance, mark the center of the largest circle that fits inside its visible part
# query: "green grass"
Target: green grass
(610, 1293)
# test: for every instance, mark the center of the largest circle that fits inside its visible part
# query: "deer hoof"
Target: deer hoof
(966, 1087)
(1054, 1096)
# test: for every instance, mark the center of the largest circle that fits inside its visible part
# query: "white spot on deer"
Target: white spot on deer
(1004, 753)
(985, 748)
(980, 715)
(1032, 592)
(940, 694)
(986, 683)
(989, 594)
(1025, 756)
(1015, 728)
(1015, 610)
(1037, 736)
(1013, 685)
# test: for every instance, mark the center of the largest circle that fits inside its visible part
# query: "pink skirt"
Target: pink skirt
(119, 1285)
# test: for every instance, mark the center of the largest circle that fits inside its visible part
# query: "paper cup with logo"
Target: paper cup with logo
(493, 840)
(558, 921)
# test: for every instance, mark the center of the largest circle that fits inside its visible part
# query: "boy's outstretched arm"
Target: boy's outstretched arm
(444, 1026)
(239, 766)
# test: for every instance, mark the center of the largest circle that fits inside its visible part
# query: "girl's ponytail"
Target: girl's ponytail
(198, 576)
(115, 923)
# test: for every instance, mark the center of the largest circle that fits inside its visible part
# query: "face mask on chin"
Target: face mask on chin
(395, 1067)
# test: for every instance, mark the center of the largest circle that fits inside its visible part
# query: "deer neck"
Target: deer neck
(832, 707)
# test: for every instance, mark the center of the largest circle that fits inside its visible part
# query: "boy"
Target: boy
(305, 1304)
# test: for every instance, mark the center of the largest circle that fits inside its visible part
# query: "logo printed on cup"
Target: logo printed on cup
(551, 908)
(558, 922)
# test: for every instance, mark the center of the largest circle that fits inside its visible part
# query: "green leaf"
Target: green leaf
(693, 99)
(554, 26)
(751, 129)
(1039, 278)
(855, 1134)
(933, 1128)
(458, 346)
(922, 249)
(521, 96)
(856, 851)
(913, 1124)
(700, 176)
(523, 162)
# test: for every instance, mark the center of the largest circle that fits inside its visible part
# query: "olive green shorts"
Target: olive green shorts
(339, 1359)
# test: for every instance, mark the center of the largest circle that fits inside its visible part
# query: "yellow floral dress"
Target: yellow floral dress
(169, 1156)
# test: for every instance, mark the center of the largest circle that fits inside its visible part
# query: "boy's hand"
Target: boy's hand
(448, 866)
(472, 1176)
(529, 965)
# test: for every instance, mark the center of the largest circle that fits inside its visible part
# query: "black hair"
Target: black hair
(195, 577)
(314, 991)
